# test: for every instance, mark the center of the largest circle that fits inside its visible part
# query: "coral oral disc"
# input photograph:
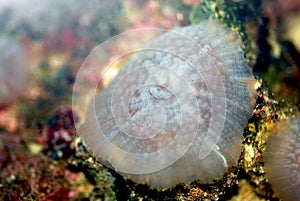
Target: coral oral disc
(282, 159)
(176, 110)
(14, 74)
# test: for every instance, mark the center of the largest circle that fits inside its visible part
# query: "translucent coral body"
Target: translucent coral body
(14, 75)
(176, 111)
(282, 159)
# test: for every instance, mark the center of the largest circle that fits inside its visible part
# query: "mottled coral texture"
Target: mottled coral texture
(176, 111)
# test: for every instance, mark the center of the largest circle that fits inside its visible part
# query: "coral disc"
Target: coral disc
(176, 110)
(282, 159)
(14, 74)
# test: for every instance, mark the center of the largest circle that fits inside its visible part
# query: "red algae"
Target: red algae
(28, 176)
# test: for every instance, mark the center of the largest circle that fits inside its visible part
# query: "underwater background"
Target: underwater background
(41, 156)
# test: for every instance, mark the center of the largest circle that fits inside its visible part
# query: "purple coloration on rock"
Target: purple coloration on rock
(176, 111)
